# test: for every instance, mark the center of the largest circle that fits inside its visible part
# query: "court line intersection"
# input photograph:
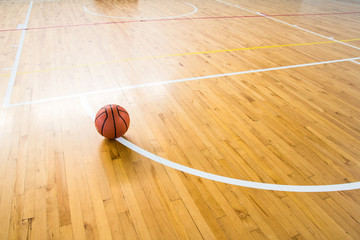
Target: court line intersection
(17, 58)
(286, 23)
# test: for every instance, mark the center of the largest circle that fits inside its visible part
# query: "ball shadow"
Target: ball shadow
(113, 150)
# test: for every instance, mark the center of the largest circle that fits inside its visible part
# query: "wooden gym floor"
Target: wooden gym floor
(219, 91)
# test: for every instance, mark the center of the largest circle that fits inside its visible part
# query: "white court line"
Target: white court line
(355, 62)
(87, 107)
(222, 179)
(17, 60)
(21, 26)
(183, 15)
(174, 81)
(292, 25)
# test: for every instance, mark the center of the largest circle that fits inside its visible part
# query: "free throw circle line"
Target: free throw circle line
(177, 16)
(227, 180)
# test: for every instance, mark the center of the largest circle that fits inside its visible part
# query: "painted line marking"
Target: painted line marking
(21, 26)
(277, 20)
(17, 61)
(172, 17)
(87, 107)
(317, 34)
(355, 62)
(238, 182)
(177, 19)
(227, 180)
(174, 81)
(310, 14)
(174, 55)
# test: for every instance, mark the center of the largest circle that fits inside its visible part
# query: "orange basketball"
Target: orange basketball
(112, 121)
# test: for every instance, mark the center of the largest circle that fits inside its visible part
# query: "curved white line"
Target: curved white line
(233, 181)
(170, 17)
(238, 182)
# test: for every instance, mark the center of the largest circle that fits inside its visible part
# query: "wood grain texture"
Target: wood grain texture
(59, 179)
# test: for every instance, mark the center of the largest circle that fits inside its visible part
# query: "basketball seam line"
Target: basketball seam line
(123, 111)
(122, 117)
(113, 121)
(102, 128)
(100, 114)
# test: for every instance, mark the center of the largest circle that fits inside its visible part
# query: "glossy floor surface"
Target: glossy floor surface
(245, 119)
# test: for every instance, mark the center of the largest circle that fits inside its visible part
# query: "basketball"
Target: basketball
(112, 121)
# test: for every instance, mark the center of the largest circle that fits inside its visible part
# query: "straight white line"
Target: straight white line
(28, 14)
(218, 178)
(17, 61)
(87, 107)
(14, 71)
(21, 26)
(295, 26)
(320, 35)
(355, 62)
(175, 81)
